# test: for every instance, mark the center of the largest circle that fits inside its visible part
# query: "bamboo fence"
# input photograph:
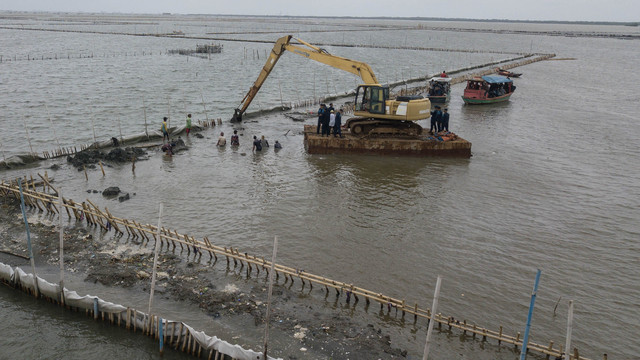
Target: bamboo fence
(170, 239)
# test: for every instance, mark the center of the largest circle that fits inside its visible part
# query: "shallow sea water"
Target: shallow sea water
(552, 184)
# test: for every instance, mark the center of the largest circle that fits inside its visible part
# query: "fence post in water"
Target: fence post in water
(567, 344)
(95, 308)
(523, 353)
(61, 250)
(93, 126)
(120, 129)
(4, 156)
(434, 308)
(160, 333)
(266, 327)
(168, 114)
(52, 127)
(144, 109)
(155, 260)
(24, 122)
(26, 224)
(205, 108)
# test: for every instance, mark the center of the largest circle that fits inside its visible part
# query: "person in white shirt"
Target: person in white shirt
(222, 141)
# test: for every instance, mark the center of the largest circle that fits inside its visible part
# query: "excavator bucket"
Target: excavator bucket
(237, 116)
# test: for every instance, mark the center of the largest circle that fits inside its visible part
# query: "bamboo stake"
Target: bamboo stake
(52, 127)
(155, 262)
(101, 168)
(93, 126)
(179, 336)
(144, 109)
(4, 156)
(205, 108)
(26, 224)
(161, 335)
(168, 114)
(24, 122)
(266, 327)
(434, 308)
(120, 129)
(567, 344)
(128, 318)
(523, 353)
(45, 181)
(61, 252)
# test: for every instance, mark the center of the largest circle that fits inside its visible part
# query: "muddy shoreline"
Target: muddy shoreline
(115, 261)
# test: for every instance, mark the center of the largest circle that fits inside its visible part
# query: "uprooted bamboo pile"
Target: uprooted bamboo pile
(170, 239)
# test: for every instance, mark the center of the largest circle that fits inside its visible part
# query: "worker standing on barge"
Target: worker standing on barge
(321, 112)
(445, 120)
(435, 119)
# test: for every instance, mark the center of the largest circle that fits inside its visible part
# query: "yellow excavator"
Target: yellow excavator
(375, 113)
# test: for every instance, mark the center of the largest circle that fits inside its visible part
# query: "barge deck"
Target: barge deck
(425, 145)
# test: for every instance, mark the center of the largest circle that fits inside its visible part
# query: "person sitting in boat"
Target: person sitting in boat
(444, 74)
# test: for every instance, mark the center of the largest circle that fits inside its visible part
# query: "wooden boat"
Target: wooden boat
(488, 89)
(508, 73)
(439, 89)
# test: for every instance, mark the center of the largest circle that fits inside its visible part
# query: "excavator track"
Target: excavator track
(360, 126)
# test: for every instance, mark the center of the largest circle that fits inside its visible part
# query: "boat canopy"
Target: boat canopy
(440, 79)
(496, 79)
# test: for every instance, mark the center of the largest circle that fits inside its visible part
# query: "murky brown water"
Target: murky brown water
(552, 184)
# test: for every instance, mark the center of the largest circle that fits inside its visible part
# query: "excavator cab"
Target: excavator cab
(376, 114)
(372, 99)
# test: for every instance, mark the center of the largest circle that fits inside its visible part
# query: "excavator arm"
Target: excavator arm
(310, 52)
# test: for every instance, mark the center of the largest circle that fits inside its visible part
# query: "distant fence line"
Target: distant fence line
(217, 38)
(105, 221)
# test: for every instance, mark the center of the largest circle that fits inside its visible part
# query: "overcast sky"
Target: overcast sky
(571, 10)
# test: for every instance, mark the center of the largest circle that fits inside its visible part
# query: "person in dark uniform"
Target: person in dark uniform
(326, 117)
(337, 131)
(435, 119)
(321, 111)
(445, 120)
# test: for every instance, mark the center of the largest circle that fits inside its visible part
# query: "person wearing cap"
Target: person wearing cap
(321, 112)
(165, 129)
(338, 124)
(435, 119)
(445, 120)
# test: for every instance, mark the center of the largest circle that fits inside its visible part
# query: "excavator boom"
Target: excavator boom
(376, 113)
(276, 52)
(310, 52)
